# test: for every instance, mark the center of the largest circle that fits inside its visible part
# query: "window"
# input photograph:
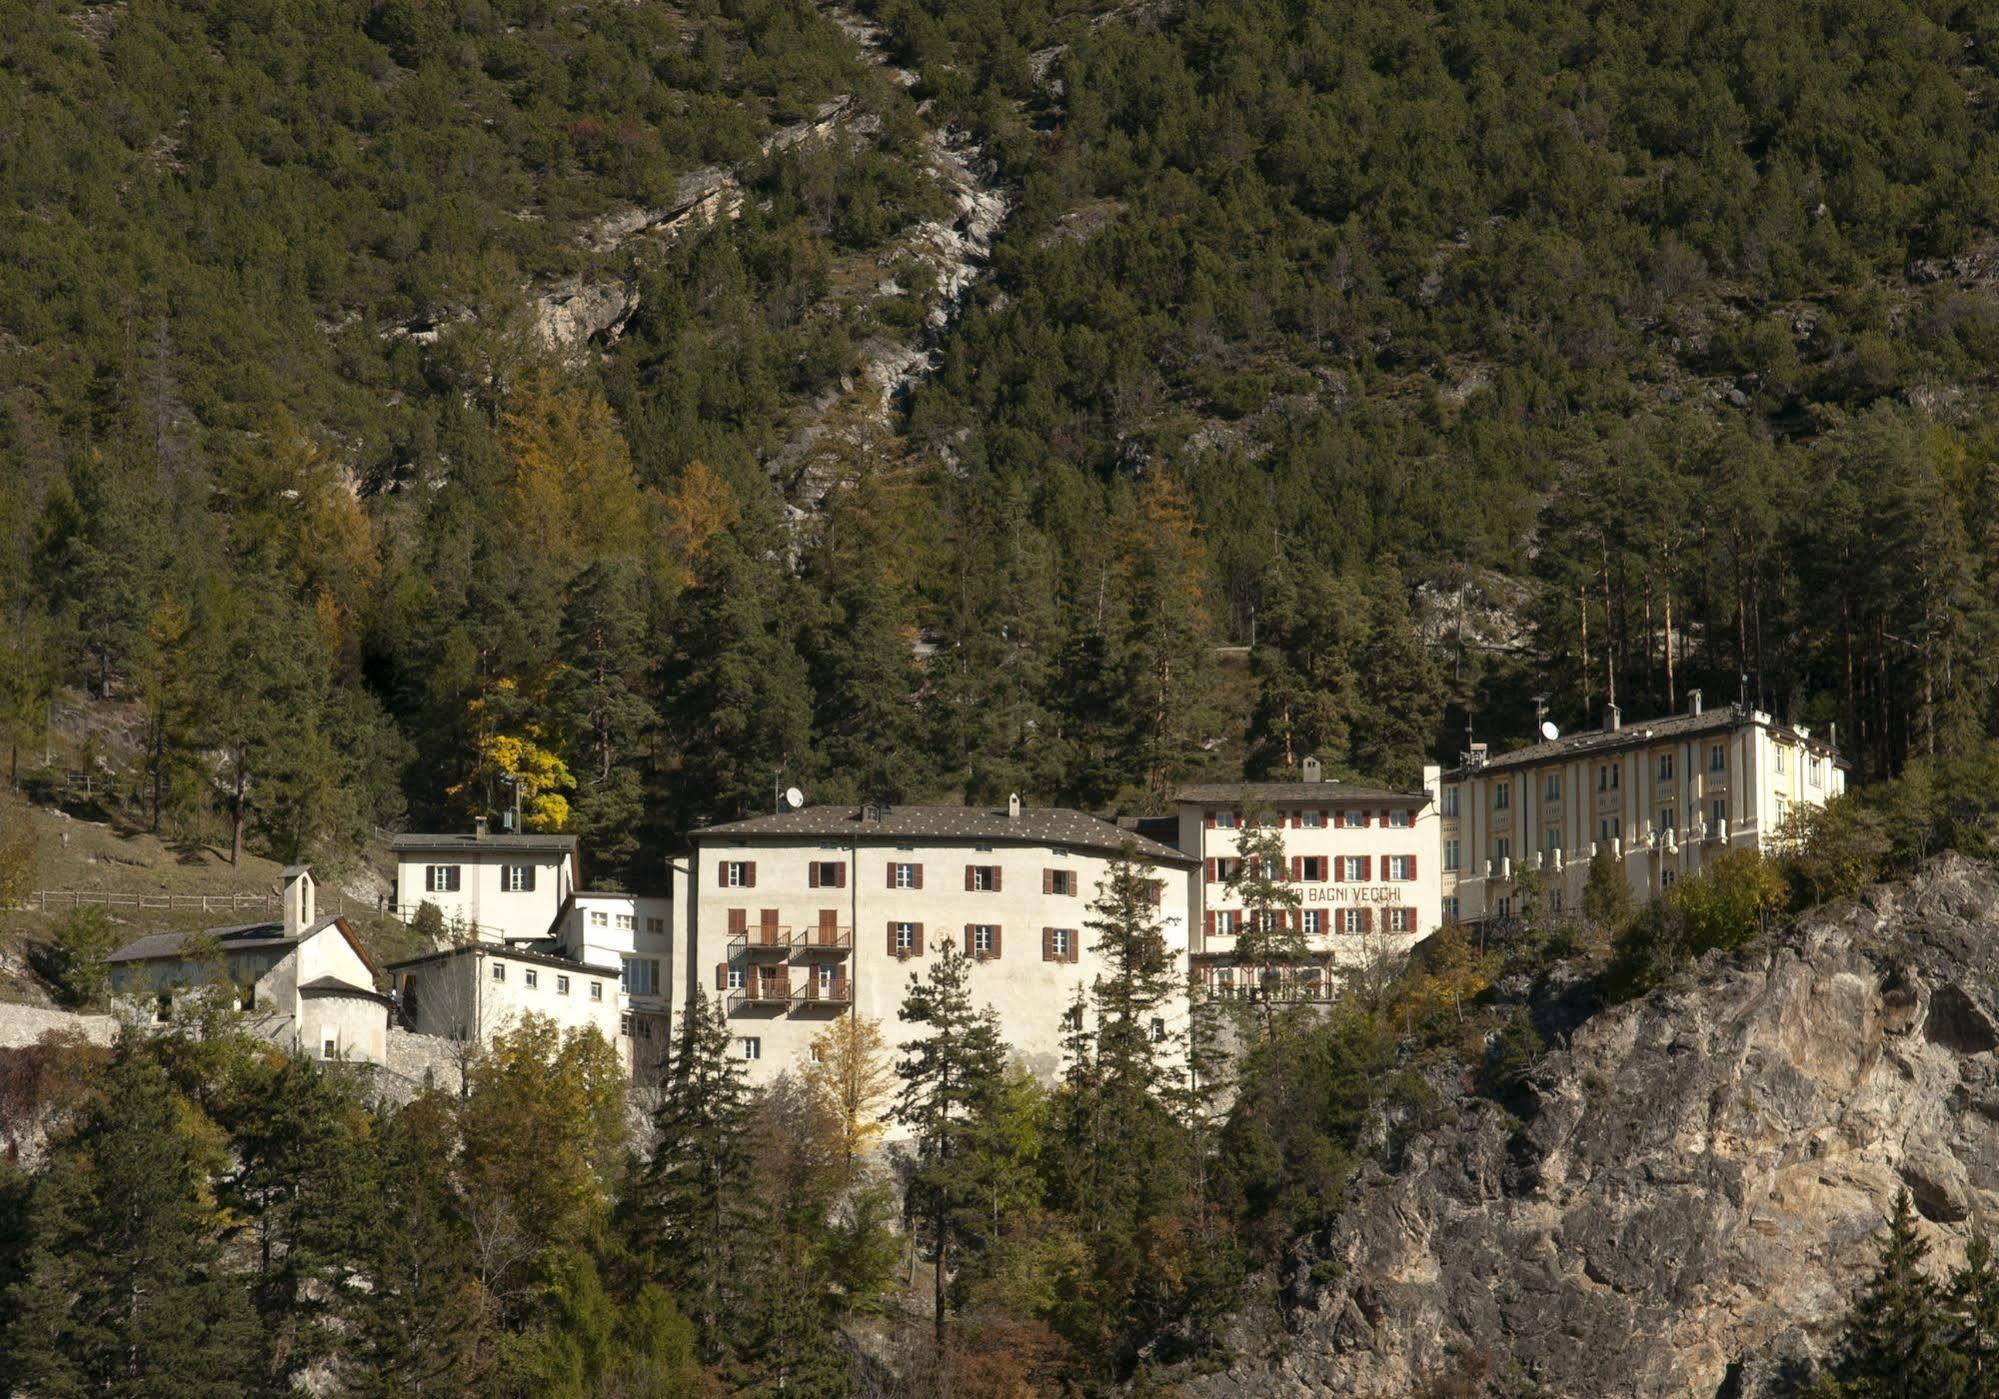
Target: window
(1555, 900)
(1666, 877)
(982, 878)
(1314, 920)
(517, 879)
(640, 976)
(1061, 945)
(656, 926)
(1312, 869)
(562, 986)
(1550, 839)
(1347, 920)
(1502, 796)
(984, 938)
(1606, 777)
(739, 874)
(440, 879)
(1401, 920)
(599, 918)
(1815, 771)
(596, 990)
(627, 923)
(1072, 1018)
(1158, 1030)
(1222, 820)
(499, 971)
(330, 1050)
(1398, 820)
(735, 978)
(1228, 921)
(1059, 882)
(1450, 801)
(1353, 867)
(531, 977)
(1666, 818)
(1783, 811)
(826, 874)
(1551, 787)
(1609, 829)
(1227, 870)
(1665, 767)
(905, 938)
(1505, 909)
(905, 875)
(753, 1047)
(1349, 820)
(826, 977)
(1401, 867)
(1450, 854)
(1717, 815)
(1311, 820)
(1451, 908)
(625, 1026)
(1717, 758)
(1783, 760)
(1502, 848)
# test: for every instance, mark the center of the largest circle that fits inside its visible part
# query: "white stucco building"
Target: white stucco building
(473, 993)
(796, 919)
(1664, 795)
(632, 932)
(303, 983)
(497, 888)
(1362, 859)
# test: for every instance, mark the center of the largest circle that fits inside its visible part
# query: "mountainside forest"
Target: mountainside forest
(408, 403)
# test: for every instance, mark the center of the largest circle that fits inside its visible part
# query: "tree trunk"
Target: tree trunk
(236, 808)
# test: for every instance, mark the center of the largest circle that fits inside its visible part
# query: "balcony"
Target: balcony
(762, 993)
(765, 939)
(822, 939)
(813, 996)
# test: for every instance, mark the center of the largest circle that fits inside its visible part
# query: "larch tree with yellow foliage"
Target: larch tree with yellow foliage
(850, 1078)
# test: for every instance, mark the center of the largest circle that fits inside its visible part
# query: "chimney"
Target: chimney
(1013, 806)
(478, 828)
(1613, 718)
(1309, 770)
(1693, 701)
(295, 897)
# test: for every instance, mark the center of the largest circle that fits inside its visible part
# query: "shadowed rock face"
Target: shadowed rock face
(1699, 1186)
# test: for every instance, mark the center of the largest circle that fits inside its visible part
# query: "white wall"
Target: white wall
(483, 904)
(458, 997)
(1029, 993)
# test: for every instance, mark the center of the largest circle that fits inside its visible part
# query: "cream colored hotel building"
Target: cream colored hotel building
(1665, 796)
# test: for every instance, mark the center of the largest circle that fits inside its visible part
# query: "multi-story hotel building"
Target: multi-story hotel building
(1363, 860)
(1664, 796)
(795, 919)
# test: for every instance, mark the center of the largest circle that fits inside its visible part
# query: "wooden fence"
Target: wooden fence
(329, 902)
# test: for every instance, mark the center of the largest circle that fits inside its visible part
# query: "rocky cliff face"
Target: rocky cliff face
(1697, 1186)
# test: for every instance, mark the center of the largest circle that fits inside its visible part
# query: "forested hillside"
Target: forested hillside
(1444, 356)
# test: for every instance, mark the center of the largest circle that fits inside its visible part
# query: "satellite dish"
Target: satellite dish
(793, 798)
(1549, 731)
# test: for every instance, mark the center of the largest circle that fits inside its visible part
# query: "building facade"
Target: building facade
(473, 993)
(632, 932)
(496, 888)
(1362, 861)
(302, 983)
(1664, 796)
(794, 920)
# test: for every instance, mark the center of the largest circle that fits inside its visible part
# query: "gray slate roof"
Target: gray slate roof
(465, 841)
(1036, 825)
(514, 953)
(1330, 793)
(334, 986)
(240, 937)
(1643, 734)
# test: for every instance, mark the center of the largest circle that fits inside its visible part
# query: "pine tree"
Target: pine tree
(601, 709)
(952, 1076)
(1270, 943)
(164, 679)
(1972, 1303)
(694, 1209)
(121, 1292)
(1892, 1343)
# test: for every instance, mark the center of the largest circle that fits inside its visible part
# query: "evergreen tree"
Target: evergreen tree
(600, 707)
(1893, 1340)
(952, 1077)
(1270, 944)
(1972, 1303)
(1607, 893)
(121, 1292)
(695, 1216)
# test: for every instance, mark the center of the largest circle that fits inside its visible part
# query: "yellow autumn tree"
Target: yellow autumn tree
(849, 1079)
(573, 495)
(699, 506)
(506, 762)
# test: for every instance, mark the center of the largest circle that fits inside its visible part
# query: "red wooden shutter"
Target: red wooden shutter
(970, 951)
(840, 875)
(1209, 918)
(1297, 920)
(996, 879)
(1367, 867)
(917, 876)
(891, 874)
(1412, 866)
(1211, 871)
(1339, 869)
(970, 878)
(1297, 868)
(749, 874)
(1048, 881)
(722, 874)
(1238, 820)
(1209, 819)
(1047, 944)
(996, 940)
(1075, 944)
(892, 948)
(1367, 920)
(1325, 818)
(919, 939)
(1297, 819)
(721, 976)
(739, 920)
(812, 875)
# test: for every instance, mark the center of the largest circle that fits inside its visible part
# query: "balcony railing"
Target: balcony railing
(822, 939)
(764, 938)
(762, 993)
(839, 994)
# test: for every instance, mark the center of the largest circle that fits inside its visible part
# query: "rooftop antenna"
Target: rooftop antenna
(793, 798)
(1540, 710)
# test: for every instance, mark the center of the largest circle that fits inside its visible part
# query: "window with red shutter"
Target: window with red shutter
(971, 878)
(1297, 869)
(1412, 866)
(1367, 920)
(1047, 944)
(812, 874)
(739, 921)
(919, 939)
(891, 874)
(1209, 920)
(721, 976)
(749, 874)
(1366, 867)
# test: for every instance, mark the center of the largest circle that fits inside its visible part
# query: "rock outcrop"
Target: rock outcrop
(1696, 1185)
